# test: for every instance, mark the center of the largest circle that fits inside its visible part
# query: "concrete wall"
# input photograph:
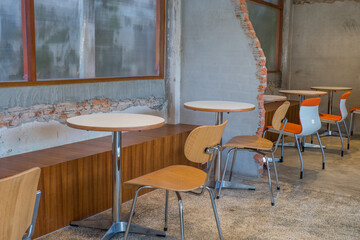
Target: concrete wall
(325, 48)
(33, 118)
(218, 64)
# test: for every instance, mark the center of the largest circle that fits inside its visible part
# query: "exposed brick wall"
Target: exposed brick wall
(261, 75)
(320, 1)
(14, 117)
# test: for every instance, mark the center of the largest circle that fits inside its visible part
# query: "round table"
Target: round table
(331, 91)
(273, 98)
(303, 93)
(116, 123)
(219, 107)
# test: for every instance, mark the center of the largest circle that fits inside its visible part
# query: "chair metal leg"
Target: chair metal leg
(341, 138)
(347, 134)
(166, 210)
(282, 149)
(269, 178)
(33, 220)
(224, 171)
(351, 124)
(312, 139)
(322, 150)
(264, 133)
(301, 159)
(275, 170)
(181, 215)
(215, 213)
(132, 212)
(232, 166)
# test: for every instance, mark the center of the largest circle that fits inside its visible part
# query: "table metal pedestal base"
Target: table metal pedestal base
(230, 185)
(330, 133)
(116, 227)
(306, 145)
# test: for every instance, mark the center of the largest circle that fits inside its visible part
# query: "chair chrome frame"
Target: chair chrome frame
(31, 230)
(352, 121)
(214, 151)
(265, 161)
(311, 127)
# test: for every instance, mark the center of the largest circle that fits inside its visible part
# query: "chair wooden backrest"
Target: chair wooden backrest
(279, 115)
(17, 201)
(200, 139)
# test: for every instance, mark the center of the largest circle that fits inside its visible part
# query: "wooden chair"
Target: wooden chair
(336, 119)
(259, 145)
(353, 111)
(19, 203)
(201, 146)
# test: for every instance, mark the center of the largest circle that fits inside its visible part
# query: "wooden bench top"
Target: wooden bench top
(46, 157)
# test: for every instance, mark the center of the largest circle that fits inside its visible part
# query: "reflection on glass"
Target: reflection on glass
(264, 20)
(125, 37)
(11, 50)
(95, 38)
(276, 2)
(57, 36)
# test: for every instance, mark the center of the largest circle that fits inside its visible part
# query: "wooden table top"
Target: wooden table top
(274, 98)
(303, 92)
(111, 122)
(219, 106)
(329, 88)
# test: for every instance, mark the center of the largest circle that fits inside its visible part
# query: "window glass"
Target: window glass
(125, 38)
(265, 21)
(57, 36)
(276, 2)
(11, 50)
(95, 38)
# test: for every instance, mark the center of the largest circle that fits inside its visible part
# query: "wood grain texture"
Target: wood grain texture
(292, 115)
(201, 138)
(76, 179)
(249, 142)
(17, 201)
(303, 92)
(176, 178)
(329, 88)
(219, 106)
(115, 122)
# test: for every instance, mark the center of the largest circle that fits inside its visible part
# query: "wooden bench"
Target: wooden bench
(76, 179)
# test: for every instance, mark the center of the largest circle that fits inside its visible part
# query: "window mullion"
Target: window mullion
(28, 30)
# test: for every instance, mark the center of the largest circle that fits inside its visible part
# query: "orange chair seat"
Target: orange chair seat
(330, 117)
(291, 128)
(355, 109)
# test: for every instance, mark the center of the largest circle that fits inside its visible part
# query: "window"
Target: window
(266, 17)
(75, 41)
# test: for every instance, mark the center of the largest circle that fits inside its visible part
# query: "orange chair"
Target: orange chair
(309, 125)
(336, 119)
(355, 110)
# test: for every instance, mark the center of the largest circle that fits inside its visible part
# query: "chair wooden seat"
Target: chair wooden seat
(252, 142)
(179, 178)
